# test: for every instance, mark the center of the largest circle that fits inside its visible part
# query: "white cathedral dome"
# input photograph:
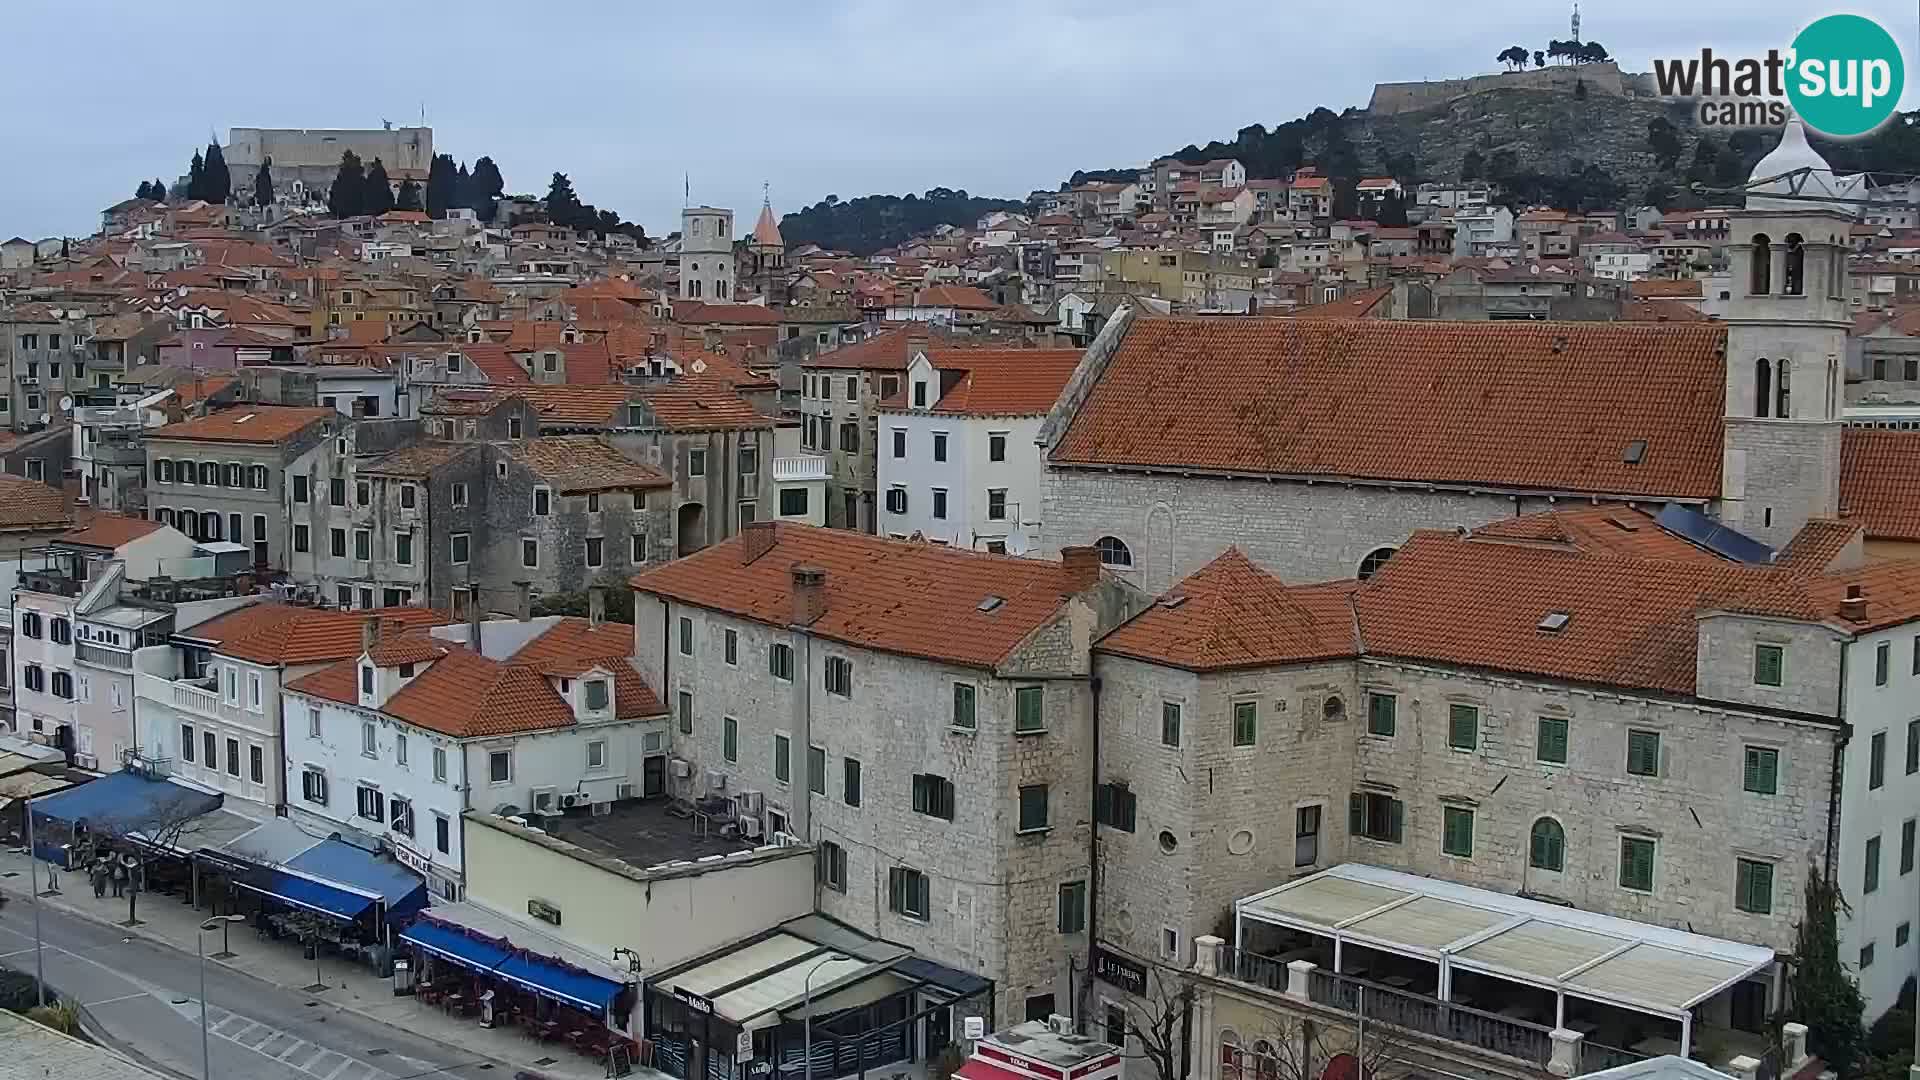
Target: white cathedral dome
(1779, 174)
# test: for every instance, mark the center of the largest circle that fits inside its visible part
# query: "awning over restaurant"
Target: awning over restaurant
(755, 984)
(326, 899)
(330, 876)
(500, 958)
(402, 890)
(125, 802)
(1598, 957)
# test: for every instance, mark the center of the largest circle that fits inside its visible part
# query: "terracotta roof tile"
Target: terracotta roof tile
(573, 646)
(576, 464)
(1542, 406)
(275, 633)
(1661, 311)
(896, 596)
(30, 504)
(1232, 614)
(110, 531)
(1360, 305)
(693, 312)
(699, 403)
(1001, 382)
(964, 297)
(1880, 482)
(420, 459)
(247, 424)
(1818, 543)
(1661, 289)
(1600, 530)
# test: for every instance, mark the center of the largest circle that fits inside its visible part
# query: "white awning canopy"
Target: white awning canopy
(756, 984)
(1601, 958)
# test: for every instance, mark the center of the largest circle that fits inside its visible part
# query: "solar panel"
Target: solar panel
(1699, 529)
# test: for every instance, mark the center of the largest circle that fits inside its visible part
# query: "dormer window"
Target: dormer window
(597, 695)
(406, 671)
(366, 686)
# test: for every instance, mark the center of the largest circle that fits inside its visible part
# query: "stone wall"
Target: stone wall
(1391, 98)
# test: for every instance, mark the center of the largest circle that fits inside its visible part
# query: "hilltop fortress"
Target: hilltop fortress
(1603, 78)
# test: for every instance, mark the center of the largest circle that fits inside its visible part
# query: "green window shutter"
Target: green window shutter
(1029, 702)
(1396, 814)
(1762, 773)
(1548, 844)
(1463, 727)
(1245, 723)
(1380, 714)
(1636, 864)
(1551, 744)
(1457, 831)
(1357, 815)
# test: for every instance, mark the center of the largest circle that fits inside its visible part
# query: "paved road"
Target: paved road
(145, 997)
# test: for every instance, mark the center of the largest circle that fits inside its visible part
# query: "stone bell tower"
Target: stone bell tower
(1787, 324)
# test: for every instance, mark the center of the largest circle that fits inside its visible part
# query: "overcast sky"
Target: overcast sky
(846, 97)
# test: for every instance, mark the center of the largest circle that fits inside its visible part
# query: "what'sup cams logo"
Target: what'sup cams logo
(1843, 75)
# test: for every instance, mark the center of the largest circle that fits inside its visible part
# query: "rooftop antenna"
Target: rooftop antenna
(686, 190)
(386, 124)
(1576, 21)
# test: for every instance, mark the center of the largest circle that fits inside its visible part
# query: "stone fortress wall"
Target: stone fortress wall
(1390, 99)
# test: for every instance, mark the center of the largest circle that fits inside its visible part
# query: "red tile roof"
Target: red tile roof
(1001, 382)
(884, 351)
(247, 424)
(275, 633)
(897, 596)
(963, 297)
(573, 646)
(576, 464)
(693, 312)
(1880, 482)
(1661, 311)
(1660, 289)
(1541, 406)
(1600, 530)
(1815, 547)
(110, 531)
(1364, 304)
(1232, 614)
(30, 504)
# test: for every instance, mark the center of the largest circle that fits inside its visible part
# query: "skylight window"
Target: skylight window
(1555, 621)
(1172, 602)
(990, 603)
(1635, 452)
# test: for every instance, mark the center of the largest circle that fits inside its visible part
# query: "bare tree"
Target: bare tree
(148, 834)
(1159, 1022)
(1294, 1047)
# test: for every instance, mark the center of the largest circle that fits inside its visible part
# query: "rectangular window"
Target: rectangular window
(907, 893)
(686, 636)
(1906, 846)
(996, 504)
(186, 743)
(1306, 835)
(301, 485)
(596, 550)
(939, 504)
(832, 866)
(369, 734)
(780, 661)
(407, 497)
(529, 552)
(1761, 775)
(1033, 807)
(1456, 831)
(1550, 742)
(1901, 933)
(403, 549)
(542, 502)
(1870, 866)
(1376, 816)
(337, 543)
(839, 676)
(782, 764)
(1246, 722)
(817, 769)
(899, 442)
(1114, 806)
(1170, 723)
(1866, 956)
(302, 539)
(919, 394)
(442, 833)
(1753, 886)
(850, 781)
(337, 491)
(997, 446)
(731, 647)
(1877, 761)
(1913, 747)
(939, 446)
(1769, 665)
(459, 544)
(933, 796)
(1073, 908)
(1029, 710)
(313, 723)
(369, 803)
(1636, 863)
(1643, 753)
(457, 495)
(1380, 713)
(500, 767)
(1882, 661)
(1463, 727)
(963, 711)
(440, 763)
(686, 712)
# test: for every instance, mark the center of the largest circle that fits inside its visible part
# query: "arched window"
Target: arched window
(1548, 848)
(1795, 283)
(1762, 386)
(1113, 551)
(1762, 283)
(1374, 561)
(1782, 407)
(1229, 1054)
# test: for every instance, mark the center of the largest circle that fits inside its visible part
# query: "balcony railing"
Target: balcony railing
(1253, 968)
(101, 657)
(802, 467)
(1531, 1043)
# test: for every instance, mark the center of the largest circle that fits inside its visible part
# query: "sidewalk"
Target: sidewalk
(168, 921)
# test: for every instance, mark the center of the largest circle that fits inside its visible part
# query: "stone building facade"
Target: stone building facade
(255, 473)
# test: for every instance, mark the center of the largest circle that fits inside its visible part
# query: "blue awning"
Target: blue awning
(313, 895)
(403, 891)
(570, 985)
(125, 802)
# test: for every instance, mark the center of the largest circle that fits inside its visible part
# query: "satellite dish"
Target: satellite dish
(66, 404)
(44, 418)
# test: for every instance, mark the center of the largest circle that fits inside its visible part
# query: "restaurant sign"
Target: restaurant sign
(1115, 970)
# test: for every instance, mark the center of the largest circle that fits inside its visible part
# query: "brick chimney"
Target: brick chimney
(1082, 565)
(369, 633)
(524, 610)
(809, 594)
(916, 342)
(756, 539)
(596, 605)
(175, 412)
(1854, 607)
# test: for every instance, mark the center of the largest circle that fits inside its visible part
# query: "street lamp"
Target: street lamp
(806, 990)
(200, 944)
(33, 887)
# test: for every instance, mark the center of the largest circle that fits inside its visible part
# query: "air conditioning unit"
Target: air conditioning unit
(749, 828)
(623, 792)
(602, 809)
(542, 800)
(716, 780)
(571, 799)
(1060, 1024)
(785, 839)
(974, 1027)
(682, 767)
(87, 761)
(749, 803)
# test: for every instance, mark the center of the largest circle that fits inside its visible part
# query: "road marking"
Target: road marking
(111, 1000)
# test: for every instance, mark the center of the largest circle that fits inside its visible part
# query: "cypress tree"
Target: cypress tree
(442, 183)
(197, 177)
(263, 184)
(346, 196)
(1825, 996)
(219, 180)
(378, 197)
(159, 191)
(409, 198)
(144, 191)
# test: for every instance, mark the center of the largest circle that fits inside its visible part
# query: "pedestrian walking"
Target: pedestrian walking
(98, 872)
(119, 879)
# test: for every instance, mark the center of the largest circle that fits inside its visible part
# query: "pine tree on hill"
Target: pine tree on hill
(563, 206)
(463, 194)
(144, 191)
(263, 184)
(348, 193)
(488, 186)
(197, 177)
(159, 191)
(219, 180)
(409, 197)
(442, 186)
(377, 197)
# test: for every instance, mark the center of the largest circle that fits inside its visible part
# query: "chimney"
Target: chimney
(472, 596)
(596, 605)
(916, 343)
(525, 609)
(369, 633)
(175, 412)
(809, 594)
(756, 539)
(1082, 565)
(1854, 607)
